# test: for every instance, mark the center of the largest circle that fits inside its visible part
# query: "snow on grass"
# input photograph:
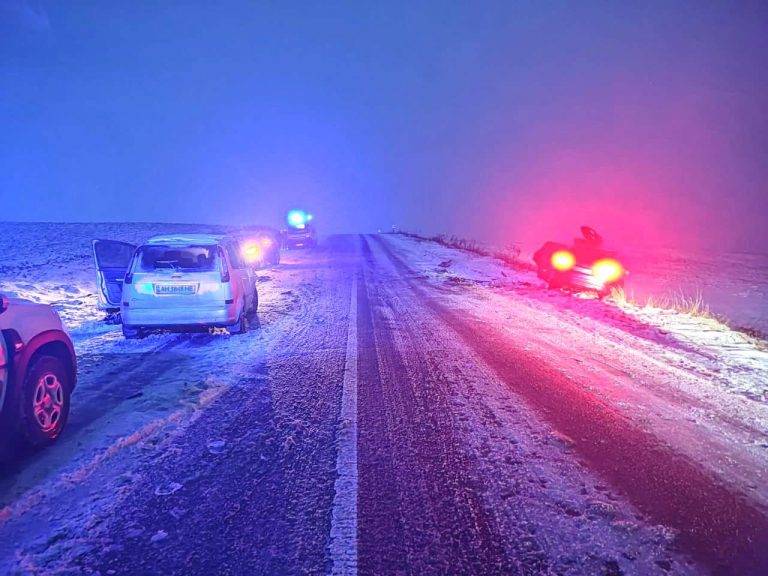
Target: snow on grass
(733, 359)
(732, 286)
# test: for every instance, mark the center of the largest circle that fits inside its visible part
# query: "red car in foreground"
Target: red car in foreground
(38, 370)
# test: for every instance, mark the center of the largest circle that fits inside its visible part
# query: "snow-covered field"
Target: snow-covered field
(728, 332)
(732, 285)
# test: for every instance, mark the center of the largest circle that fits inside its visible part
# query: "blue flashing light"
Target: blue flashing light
(298, 218)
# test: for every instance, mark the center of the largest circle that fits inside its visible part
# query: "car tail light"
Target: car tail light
(607, 270)
(224, 267)
(563, 260)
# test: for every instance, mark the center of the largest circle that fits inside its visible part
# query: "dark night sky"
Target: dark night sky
(499, 120)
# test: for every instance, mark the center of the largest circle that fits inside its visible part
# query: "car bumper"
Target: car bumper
(298, 241)
(216, 316)
(588, 281)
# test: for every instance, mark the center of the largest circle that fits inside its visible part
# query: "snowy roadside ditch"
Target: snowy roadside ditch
(730, 359)
(695, 384)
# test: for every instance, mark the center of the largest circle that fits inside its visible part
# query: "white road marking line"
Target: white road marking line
(343, 546)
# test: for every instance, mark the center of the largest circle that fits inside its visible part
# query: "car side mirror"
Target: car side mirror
(4, 303)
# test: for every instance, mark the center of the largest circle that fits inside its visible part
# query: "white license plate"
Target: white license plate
(175, 288)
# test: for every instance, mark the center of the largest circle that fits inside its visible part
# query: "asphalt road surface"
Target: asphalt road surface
(381, 431)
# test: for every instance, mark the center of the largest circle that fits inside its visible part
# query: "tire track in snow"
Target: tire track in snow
(343, 545)
(420, 505)
(91, 400)
(382, 543)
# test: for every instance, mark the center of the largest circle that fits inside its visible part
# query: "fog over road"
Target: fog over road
(368, 426)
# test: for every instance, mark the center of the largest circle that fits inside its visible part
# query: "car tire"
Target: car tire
(253, 313)
(239, 327)
(255, 304)
(44, 401)
(132, 333)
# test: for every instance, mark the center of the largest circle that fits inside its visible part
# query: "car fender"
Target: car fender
(21, 360)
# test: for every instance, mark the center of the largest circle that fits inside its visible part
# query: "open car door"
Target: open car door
(112, 261)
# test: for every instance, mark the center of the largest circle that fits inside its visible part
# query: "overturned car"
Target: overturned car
(583, 266)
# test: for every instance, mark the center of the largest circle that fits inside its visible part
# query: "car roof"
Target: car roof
(187, 239)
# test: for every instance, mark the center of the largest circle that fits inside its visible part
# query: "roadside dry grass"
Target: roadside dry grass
(690, 304)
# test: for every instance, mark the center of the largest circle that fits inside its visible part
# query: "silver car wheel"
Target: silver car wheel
(48, 401)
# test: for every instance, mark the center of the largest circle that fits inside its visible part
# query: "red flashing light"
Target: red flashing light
(607, 270)
(563, 260)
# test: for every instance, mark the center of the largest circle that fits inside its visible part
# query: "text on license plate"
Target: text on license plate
(175, 288)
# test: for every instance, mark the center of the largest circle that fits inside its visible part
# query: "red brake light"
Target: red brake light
(251, 252)
(563, 260)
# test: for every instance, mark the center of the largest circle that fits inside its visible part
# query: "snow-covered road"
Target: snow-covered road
(495, 430)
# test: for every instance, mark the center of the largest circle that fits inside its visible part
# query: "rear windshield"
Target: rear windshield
(152, 258)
